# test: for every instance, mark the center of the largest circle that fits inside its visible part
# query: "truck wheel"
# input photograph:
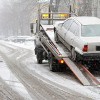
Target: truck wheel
(56, 37)
(73, 54)
(39, 61)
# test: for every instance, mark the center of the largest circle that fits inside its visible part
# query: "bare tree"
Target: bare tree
(15, 17)
(85, 8)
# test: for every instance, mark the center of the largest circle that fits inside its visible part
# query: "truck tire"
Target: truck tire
(39, 53)
(39, 61)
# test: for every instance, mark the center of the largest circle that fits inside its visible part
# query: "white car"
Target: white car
(81, 35)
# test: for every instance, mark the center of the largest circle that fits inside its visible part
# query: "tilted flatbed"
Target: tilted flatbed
(55, 52)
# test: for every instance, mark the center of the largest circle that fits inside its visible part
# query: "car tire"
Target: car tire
(73, 54)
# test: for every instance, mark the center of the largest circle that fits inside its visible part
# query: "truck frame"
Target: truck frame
(47, 50)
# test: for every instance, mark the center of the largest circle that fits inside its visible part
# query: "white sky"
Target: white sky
(43, 0)
(1, 4)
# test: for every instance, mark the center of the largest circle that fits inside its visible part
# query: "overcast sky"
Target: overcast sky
(1, 4)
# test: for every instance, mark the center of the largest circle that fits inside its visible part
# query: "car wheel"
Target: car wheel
(56, 37)
(73, 54)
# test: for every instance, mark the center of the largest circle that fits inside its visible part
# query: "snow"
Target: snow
(11, 80)
(69, 84)
(43, 74)
(87, 20)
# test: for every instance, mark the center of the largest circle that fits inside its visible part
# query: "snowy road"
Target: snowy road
(40, 83)
(6, 93)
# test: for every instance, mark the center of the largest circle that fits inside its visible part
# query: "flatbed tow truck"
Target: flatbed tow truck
(57, 54)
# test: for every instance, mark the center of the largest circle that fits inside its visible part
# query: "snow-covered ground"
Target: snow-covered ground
(8, 79)
(40, 83)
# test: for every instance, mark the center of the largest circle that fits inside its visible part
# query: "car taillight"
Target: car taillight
(85, 48)
(61, 61)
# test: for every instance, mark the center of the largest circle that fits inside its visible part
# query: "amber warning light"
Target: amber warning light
(64, 15)
(44, 16)
(61, 61)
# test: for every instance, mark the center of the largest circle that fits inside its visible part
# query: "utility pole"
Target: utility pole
(38, 21)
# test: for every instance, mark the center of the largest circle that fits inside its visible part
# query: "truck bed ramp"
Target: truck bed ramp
(49, 29)
(76, 71)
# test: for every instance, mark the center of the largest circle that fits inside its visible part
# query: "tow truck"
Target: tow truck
(57, 54)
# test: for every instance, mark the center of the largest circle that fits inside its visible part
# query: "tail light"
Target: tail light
(85, 48)
(61, 61)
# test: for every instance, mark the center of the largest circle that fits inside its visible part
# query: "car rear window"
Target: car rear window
(90, 30)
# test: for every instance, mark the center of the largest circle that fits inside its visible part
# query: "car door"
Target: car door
(64, 28)
(72, 34)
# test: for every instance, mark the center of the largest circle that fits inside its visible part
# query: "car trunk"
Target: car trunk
(93, 44)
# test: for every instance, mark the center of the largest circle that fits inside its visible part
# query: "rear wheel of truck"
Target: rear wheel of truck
(39, 61)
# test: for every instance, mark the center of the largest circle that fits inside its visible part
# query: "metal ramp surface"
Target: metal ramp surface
(50, 33)
(76, 71)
